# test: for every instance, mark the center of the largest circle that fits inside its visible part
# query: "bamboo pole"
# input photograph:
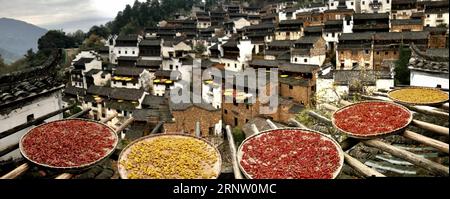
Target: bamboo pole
(294, 122)
(255, 129)
(125, 124)
(410, 157)
(271, 124)
(360, 167)
(431, 127)
(16, 172)
(233, 151)
(441, 146)
(109, 118)
(64, 176)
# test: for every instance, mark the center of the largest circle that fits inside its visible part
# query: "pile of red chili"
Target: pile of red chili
(371, 118)
(68, 143)
(290, 154)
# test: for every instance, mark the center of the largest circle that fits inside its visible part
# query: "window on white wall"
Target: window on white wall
(305, 60)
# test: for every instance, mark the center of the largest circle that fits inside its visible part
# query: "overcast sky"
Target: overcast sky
(69, 15)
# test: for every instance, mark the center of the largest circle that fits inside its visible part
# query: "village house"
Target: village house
(260, 35)
(344, 4)
(237, 54)
(354, 50)
(209, 118)
(278, 48)
(406, 25)
(429, 68)
(438, 37)
(331, 32)
(24, 101)
(164, 81)
(203, 21)
(217, 16)
(311, 18)
(309, 50)
(375, 6)
(403, 9)
(370, 22)
(85, 64)
(313, 31)
(386, 46)
(233, 26)
(125, 46)
(289, 30)
(298, 82)
(212, 87)
(127, 77)
(337, 14)
(436, 13)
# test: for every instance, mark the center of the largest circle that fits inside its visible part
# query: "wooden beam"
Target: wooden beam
(233, 151)
(9, 149)
(157, 127)
(109, 118)
(360, 167)
(64, 176)
(32, 123)
(20, 170)
(81, 113)
(431, 127)
(319, 117)
(125, 124)
(296, 123)
(410, 157)
(441, 146)
(271, 124)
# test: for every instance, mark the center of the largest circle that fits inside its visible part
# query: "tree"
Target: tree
(54, 39)
(94, 42)
(102, 31)
(30, 55)
(402, 73)
(77, 36)
(199, 49)
(2, 62)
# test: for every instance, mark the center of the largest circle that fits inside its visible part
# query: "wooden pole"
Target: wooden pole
(77, 115)
(319, 117)
(271, 124)
(109, 118)
(64, 176)
(294, 122)
(410, 157)
(441, 146)
(255, 129)
(233, 151)
(16, 172)
(360, 167)
(431, 127)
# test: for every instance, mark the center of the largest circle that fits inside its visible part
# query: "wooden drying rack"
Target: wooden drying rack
(436, 168)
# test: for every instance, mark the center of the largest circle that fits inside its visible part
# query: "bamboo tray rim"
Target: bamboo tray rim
(240, 153)
(80, 167)
(373, 135)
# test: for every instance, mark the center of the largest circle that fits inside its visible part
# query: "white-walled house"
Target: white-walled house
(344, 4)
(31, 100)
(429, 69)
(375, 6)
(125, 46)
(237, 54)
(84, 64)
(310, 50)
(436, 13)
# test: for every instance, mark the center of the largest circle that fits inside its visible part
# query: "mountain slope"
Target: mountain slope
(16, 37)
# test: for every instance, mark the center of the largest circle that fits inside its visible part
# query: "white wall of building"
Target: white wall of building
(385, 6)
(419, 78)
(39, 107)
(314, 60)
(433, 20)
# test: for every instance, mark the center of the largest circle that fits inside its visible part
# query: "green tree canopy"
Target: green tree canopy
(402, 73)
(55, 39)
